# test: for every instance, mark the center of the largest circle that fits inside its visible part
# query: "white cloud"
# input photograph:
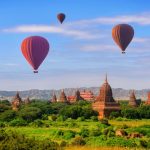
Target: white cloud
(141, 40)
(51, 29)
(97, 47)
(141, 19)
(10, 64)
(84, 29)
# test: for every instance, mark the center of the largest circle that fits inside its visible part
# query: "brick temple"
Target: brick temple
(87, 95)
(16, 102)
(133, 101)
(54, 98)
(148, 100)
(105, 103)
(27, 101)
(63, 97)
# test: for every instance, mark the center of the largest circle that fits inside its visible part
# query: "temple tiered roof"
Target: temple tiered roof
(148, 100)
(54, 98)
(63, 97)
(105, 103)
(16, 102)
(132, 101)
(27, 101)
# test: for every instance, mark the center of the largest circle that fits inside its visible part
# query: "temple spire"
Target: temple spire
(106, 81)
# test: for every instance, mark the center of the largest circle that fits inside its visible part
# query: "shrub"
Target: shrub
(120, 141)
(44, 117)
(114, 114)
(78, 140)
(8, 115)
(4, 107)
(94, 118)
(37, 123)
(53, 117)
(124, 126)
(18, 122)
(69, 134)
(61, 118)
(63, 144)
(84, 132)
(72, 124)
(104, 121)
(80, 119)
(95, 132)
(2, 124)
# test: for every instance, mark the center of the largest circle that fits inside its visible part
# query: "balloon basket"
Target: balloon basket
(35, 71)
(123, 52)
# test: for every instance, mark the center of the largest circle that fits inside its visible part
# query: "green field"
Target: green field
(72, 128)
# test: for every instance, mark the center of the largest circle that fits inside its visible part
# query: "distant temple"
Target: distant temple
(63, 97)
(133, 101)
(77, 97)
(54, 98)
(105, 103)
(148, 100)
(87, 95)
(16, 102)
(27, 101)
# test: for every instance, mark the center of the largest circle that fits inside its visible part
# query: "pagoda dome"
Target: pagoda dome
(106, 92)
(106, 88)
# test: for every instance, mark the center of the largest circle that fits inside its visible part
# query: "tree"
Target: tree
(30, 113)
(8, 115)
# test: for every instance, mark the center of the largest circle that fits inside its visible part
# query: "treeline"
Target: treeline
(140, 112)
(43, 110)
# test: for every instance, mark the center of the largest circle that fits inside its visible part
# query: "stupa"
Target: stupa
(105, 103)
(132, 101)
(16, 102)
(148, 100)
(63, 97)
(54, 98)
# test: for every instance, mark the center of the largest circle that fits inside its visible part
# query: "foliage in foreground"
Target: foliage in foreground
(14, 141)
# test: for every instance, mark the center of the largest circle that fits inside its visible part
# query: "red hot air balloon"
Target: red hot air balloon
(61, 17)
(122, 35)
(35, 49)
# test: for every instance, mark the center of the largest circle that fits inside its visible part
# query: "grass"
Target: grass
(51, 132)
(130, 123)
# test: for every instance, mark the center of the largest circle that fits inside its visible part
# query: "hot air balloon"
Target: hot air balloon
(61, 17)
(35, 50)
(123, 35)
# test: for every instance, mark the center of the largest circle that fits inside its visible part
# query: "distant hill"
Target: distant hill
(118, 93)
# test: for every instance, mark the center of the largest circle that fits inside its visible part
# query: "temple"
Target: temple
(27, 101)
(132, 101)
(16, 102)
(105, 103)
(75, 98)
(54, 98)
(87, 95)
(148, 100)
(63, 97)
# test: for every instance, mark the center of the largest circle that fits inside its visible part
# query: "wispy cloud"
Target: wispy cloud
(10, 64)
(97, 47)
(141, 40)
(141, 19)
(50, 29)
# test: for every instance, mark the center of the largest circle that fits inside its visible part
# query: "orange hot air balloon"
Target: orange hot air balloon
(61, 17)
(123, 34)
(35, 50)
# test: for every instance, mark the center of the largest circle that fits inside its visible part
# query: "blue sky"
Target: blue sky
(81, 49)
